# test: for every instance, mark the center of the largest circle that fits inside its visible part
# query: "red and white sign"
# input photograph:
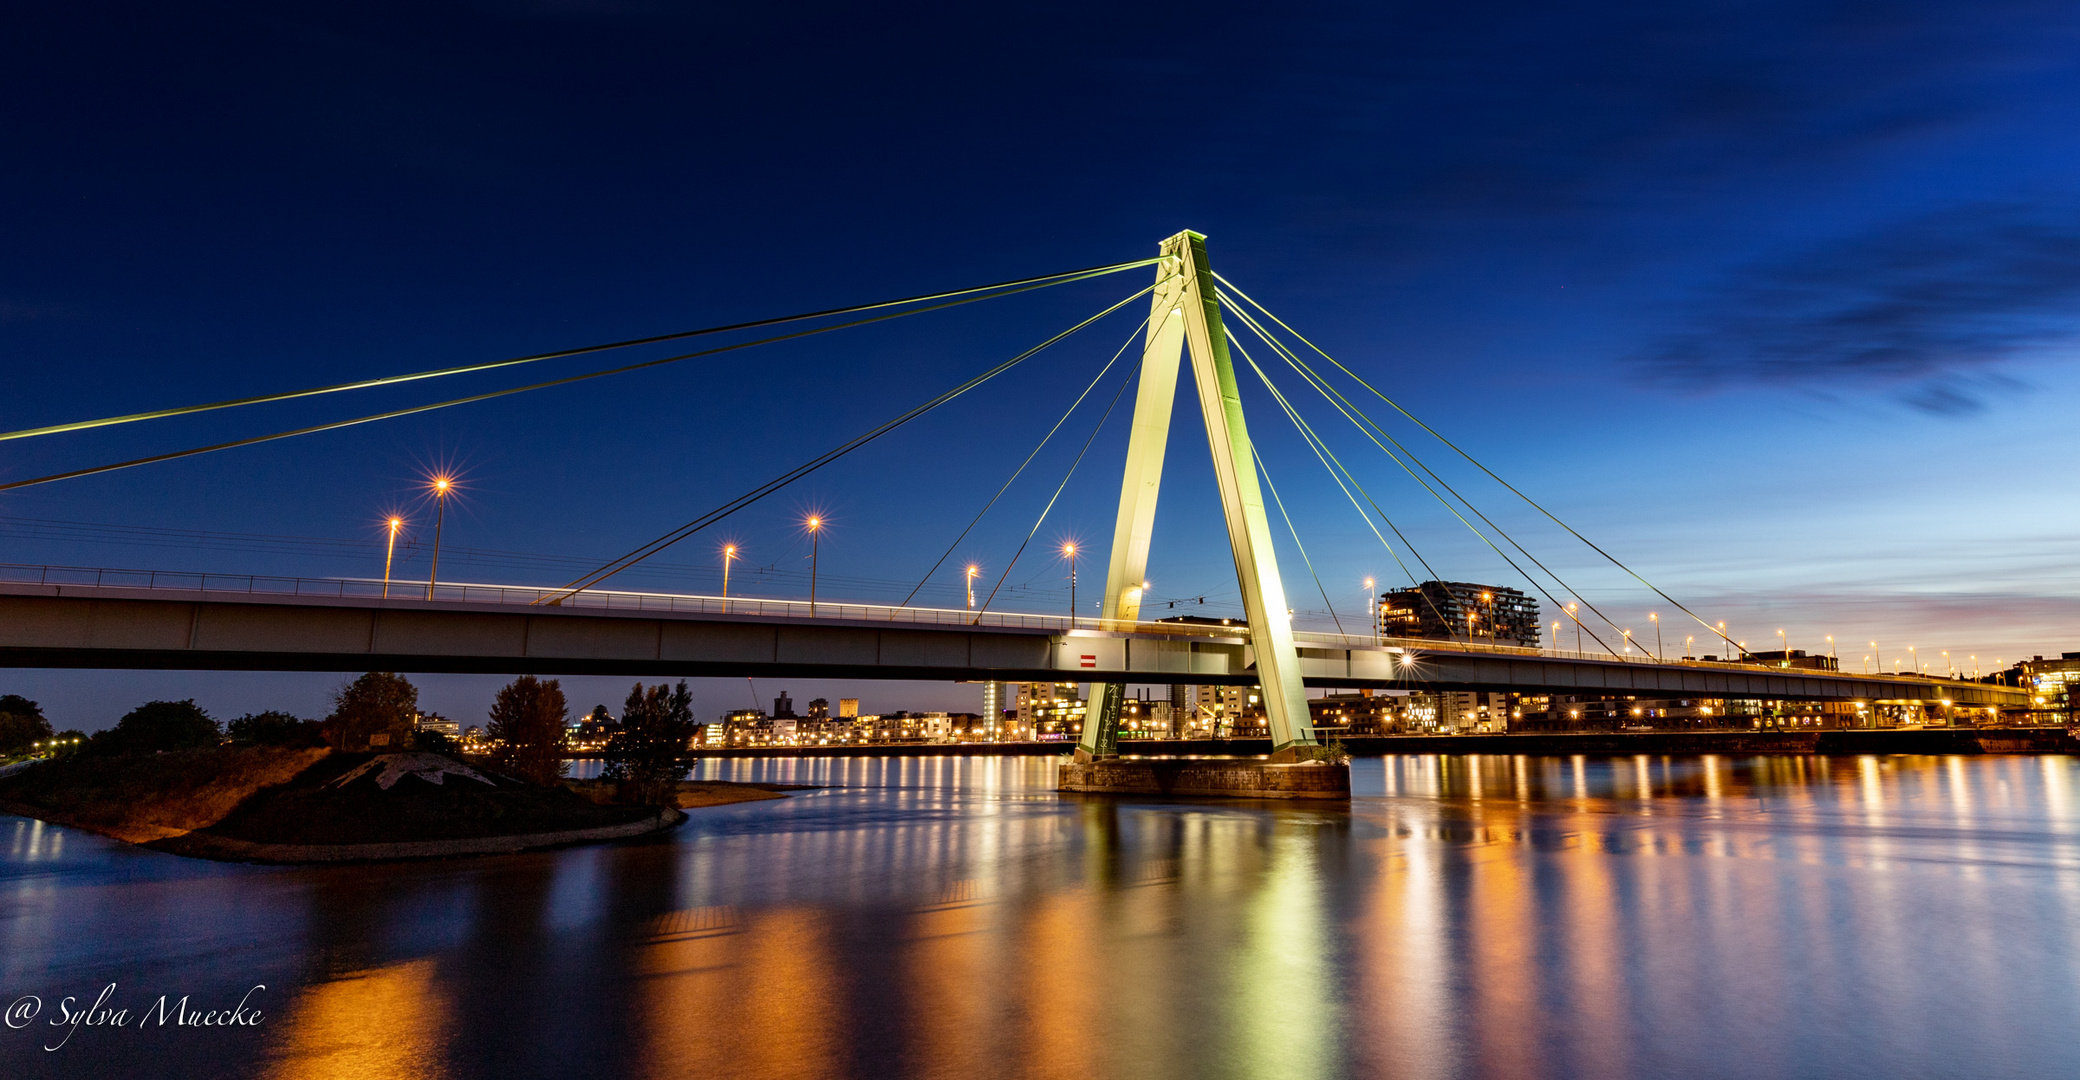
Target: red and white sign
(1089, 660)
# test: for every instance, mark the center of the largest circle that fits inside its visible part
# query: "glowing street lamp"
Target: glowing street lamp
(1069, 553)
(815, 525)
(1556, 635)
(1627, 633)
(1577, 626)
(389, 550)
(972, 571)
(1372, 610)
(1689, 646)
(1784, 644)
(729, 555)
(441, 486)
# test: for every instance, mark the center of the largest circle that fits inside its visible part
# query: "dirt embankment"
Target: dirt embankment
(145, 797)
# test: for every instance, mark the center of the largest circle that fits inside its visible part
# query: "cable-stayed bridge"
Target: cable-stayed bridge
(58, 618)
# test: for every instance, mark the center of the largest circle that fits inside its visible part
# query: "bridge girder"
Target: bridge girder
(53, 626)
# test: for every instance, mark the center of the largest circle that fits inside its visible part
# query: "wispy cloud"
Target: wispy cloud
(1927, 309)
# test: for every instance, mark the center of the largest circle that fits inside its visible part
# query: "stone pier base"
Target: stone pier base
(1243, 778)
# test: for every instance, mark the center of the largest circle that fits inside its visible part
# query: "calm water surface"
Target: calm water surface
(947, 917)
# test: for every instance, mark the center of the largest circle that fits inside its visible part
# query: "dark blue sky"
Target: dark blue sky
(1775, 300)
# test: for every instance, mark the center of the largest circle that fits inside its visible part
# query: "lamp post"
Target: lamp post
(1488, 600)
(1727, 640)
(1556, 635)
(390, 550)
(972, 571)
(1913, 660)
(1830, 645)
(815, 548)
(1655, 618)
(1069, 553)
(441, 487)
(1880, 653)
(729, 555)
(1372, 610)
(1784, 646)
(1627, 633)
(1577, 627)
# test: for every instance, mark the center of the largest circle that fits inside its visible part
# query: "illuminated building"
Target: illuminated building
(1459, 611)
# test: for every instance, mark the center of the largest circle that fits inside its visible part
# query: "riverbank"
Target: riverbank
(1847, 741)
(264, 804)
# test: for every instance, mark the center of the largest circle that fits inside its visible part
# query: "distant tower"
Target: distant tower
(783, 707)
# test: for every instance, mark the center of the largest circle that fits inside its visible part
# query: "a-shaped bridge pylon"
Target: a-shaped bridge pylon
(1185, 315)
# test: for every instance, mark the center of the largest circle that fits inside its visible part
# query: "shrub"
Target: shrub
(275, 729)
(647, 758)
(527, 724)
(159, 725)
(374, 712)
(22, 725)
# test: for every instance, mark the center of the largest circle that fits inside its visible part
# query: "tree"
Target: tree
(647, 757)
(159, 725)
(527, 724)
(22, 725)
(274, 729)
(374, 712)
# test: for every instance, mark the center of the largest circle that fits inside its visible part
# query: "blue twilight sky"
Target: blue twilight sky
(1776, 301)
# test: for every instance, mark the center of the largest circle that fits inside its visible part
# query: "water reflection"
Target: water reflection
(954, 917)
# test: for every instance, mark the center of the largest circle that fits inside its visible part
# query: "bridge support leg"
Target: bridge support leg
(1186, 312)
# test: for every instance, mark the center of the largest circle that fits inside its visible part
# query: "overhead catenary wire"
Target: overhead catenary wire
(1347, 410)
(1015, 473)
(1059, 488)
(1265, 472)
(760, 492)
(1062, 278)
(1326, 457)
(474, 398)
(1511, 488)
(1358, 416)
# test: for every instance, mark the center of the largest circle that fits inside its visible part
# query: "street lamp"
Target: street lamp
(1655, 618)
(441, 486)
(1689, 646)
(1784, 644)
(1627, 633)
(1830, 645)
(1556, 635)
(972, 571)
(1372, 610)
(1069, 553)
(389, 550)
(1727, 640)
(1914, 658)
(729, 555)
(815, 525)
(1881, 656)
(1577, 627)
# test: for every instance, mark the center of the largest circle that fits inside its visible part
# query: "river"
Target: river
(955, 918)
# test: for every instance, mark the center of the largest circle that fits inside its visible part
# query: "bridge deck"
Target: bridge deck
(334, 625)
